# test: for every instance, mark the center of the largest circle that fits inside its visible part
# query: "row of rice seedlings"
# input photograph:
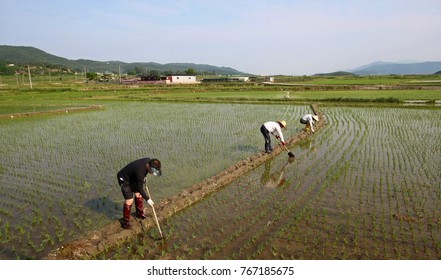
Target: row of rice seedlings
(192, 228)
(378, 195)
(335, 174)
(278, 216)
(416, 199)
(274, 212)
(375, 194)
(283, 211)
(379, 221)
(239, 222)
(376, 201)
(343, 192)
(214, 223)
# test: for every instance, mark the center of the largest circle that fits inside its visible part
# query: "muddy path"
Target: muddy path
(52, 112)
(102, 239)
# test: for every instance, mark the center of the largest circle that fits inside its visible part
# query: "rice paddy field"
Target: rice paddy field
(58, 172)
(366, 186)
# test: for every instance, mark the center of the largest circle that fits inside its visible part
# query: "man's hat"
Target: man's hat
(282, 123)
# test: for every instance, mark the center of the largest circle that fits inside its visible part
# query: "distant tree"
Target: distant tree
(91, 76)
(139, 69)
(7, 70)
(155, 74)
(190, 71)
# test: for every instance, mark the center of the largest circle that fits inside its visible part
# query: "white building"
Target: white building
(180, 79)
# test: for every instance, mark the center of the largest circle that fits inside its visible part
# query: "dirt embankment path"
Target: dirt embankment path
(51, 112)
(104, 238)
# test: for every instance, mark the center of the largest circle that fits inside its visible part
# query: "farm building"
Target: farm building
(179, 79)
(170, 79)
(262, 79)
(226, 79)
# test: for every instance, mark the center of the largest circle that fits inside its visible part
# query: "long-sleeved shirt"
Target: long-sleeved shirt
(134, 174)
(275, 129)
(308, 118)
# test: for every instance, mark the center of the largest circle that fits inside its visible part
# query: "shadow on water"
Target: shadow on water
(308, 146)
(105, 206)
(277, 178)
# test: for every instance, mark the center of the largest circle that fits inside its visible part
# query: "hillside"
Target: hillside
(29, 55)
(388, 68)
(335, 74)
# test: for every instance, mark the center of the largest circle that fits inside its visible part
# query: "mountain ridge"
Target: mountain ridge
(397, 68)
(32, 55)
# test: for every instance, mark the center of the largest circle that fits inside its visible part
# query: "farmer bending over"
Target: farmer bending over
(131, 179)
(309, 120)
(275, 128)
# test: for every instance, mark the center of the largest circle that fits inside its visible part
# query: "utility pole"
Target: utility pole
(119, 70)
(30, 80)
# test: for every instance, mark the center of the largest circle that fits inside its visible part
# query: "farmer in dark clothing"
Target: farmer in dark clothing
(131, 179)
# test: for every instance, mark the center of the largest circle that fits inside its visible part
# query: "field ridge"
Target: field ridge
(50, 112)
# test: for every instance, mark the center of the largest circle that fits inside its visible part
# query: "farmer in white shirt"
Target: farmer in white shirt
(309, 120)
(274, 128)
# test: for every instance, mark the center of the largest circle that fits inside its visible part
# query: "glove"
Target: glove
(150, 202)
(283, 143)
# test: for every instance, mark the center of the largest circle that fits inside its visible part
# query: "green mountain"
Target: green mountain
(388, 68)
(32, 56)
(336, 74)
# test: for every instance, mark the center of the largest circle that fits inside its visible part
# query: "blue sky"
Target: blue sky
(255, 36)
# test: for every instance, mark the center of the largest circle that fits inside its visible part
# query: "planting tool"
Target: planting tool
(154, 213)
(290, 154)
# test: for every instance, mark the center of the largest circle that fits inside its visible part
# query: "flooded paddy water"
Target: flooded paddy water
(366, 186)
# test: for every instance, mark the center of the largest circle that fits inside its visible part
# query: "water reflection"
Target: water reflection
(276, 178)
(308, 146)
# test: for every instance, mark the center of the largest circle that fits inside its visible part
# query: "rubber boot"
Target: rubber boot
(139, 208)
(126, 216)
